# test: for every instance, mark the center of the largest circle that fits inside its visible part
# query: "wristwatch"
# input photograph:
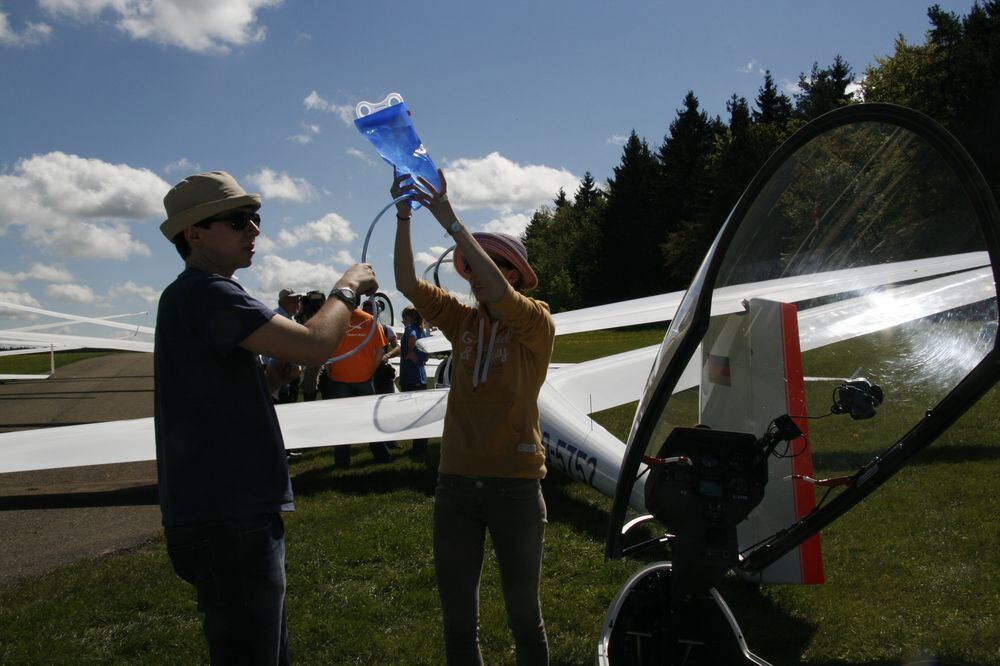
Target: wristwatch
(346, 296)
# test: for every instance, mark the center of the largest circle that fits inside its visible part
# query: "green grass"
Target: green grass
(36, 364)
(585, 346)
(912, 571)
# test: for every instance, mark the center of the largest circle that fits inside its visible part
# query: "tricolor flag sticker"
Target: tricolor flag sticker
(718, 370)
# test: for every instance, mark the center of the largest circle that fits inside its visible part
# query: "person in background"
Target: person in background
(312, 302)
(289, 306)
(289, 303)
(220, 457)
(492, 457)
(352, 375)
(384, 379)
(385, 374)
(412, 373)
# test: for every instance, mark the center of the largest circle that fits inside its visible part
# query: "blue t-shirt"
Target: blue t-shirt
(219, 451)
(409, 371)
(267, 360)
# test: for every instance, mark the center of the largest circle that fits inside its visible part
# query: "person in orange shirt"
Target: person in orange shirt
(352, 376)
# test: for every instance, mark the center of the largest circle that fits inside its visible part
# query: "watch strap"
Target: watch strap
(346, 296)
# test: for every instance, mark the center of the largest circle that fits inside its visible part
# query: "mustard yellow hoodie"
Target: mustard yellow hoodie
(491, 425)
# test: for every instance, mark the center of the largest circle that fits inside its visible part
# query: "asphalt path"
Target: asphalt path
(50, 518)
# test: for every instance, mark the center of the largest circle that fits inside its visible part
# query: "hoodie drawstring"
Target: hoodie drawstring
(476, 380)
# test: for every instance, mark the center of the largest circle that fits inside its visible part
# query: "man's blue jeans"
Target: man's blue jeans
(238, 570)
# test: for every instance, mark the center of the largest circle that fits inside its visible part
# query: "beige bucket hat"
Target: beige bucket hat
(201, 196)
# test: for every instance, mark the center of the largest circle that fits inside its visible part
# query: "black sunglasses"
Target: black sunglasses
(501, 263)
(237, 221)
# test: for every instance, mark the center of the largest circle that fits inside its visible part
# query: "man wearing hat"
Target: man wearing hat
(223, 475)
(289, 303)
(289, 306)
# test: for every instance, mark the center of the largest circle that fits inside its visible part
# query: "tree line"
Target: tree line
(647, 231)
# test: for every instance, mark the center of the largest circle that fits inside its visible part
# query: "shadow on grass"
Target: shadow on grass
(932, 455)
(315, 473)
(566, 509)
(131, 496)
(770, 632)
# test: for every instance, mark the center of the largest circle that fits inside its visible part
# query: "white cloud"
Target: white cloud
(752, 67)
(306, 135)
(275, 273)
(204, 26)
(75, 293)
(88, 187)
(274, 185)
(427, 258)
(17, 298)
(854, 88)
(789, 87)
(331, 228)
(343, 257)
(363, 156)
(9, 281)
(617, 139)
(48, 273)
(513, 224)
(32, 35)
(88, 241)
(183, 165)
(264, 244)
(78, 207)
(497, 182)
(345, 112)
(339, 257)
(463, 297)
(314, 102)
(424, 259)
(145, 294)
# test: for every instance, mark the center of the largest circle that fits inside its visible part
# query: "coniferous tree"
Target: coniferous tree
(542, 240)
(661, 209)
(824, 90)
(954, 77)
(630, 225)
(684, 192)
(585, 251)
(976, 124)
(561, 199)
(772, 106)
(682, 160)
(564, 246)
(734, 163)
(739, 114)
(588, 193)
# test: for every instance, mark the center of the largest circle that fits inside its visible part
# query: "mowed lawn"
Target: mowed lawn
(912, 572)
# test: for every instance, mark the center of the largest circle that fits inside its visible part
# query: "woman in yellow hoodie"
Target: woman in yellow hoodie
(492, 457)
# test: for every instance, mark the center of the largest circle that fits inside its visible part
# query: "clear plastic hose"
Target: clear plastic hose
(364, 257)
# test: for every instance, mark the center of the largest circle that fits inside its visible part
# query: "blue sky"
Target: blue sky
(107, 103)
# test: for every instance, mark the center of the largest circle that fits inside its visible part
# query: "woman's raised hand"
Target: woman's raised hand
(403, 210)
(436, 201)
